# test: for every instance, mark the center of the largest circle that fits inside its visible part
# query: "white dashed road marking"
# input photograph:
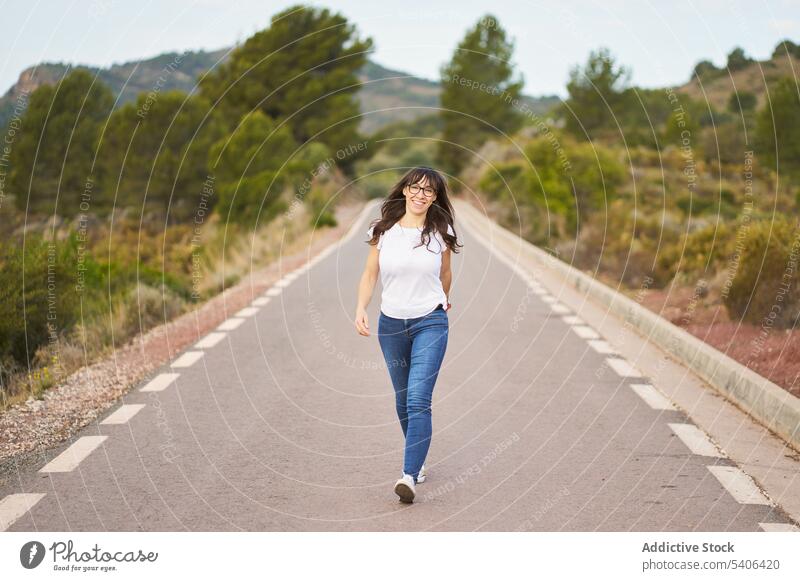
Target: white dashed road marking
(209, 340)
(585, 332)
(652, 397)
(740, 486)
(622, 367)
(559, 309)
(69, 459)
(187, 359)
(573, 320)
(14, 506)
(230, 324)
(602, 347)
(696, 440)
(123, 414)
(549, 299)
(779, 527)
(160, 382)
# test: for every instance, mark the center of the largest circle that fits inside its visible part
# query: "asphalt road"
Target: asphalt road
(287, 423)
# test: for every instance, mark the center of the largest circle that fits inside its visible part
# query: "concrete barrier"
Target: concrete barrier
(768, 403)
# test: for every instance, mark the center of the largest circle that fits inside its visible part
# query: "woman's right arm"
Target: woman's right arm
(365, 289)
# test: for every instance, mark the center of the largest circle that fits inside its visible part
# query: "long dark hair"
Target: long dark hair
(440, 212)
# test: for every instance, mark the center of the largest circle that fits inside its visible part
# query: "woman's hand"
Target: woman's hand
(362, 322)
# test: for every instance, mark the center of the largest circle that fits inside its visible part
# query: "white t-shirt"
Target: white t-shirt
(410, 276)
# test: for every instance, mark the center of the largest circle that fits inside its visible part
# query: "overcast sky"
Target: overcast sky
(659, 41)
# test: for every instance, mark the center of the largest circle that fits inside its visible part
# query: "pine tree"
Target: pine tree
(52, 163)
(597, 94)
(778, 128)
(301, 71)
(481, 97)
(250, 168)
(153, 155)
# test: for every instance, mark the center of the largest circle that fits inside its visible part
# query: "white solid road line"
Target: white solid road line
(123, 414)
(740, 486)
(247, 312)
(779, 527)
(696, 440)
(69, 459)
(602, 347)
(585, 332)
(652, 397)
(187, 359)
(260, 301)
(160, 382)
(622, 367)
(230, 324)
(210, 340)
(14, 506)
(273, 291)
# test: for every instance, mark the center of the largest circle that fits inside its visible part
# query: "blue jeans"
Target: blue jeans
(414, 350)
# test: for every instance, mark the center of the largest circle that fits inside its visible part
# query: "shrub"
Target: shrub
(38, 298)
(504, 181)
(699, 253)
(765, 287)
(148, 307)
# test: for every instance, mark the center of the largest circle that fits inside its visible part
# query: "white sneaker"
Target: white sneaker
(404, 488)
(420, 476)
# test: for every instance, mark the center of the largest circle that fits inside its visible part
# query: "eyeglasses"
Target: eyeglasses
(414, 189)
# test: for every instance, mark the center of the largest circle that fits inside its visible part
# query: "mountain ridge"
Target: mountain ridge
(396, 97)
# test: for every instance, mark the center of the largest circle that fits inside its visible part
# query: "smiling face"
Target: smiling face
(419, 197)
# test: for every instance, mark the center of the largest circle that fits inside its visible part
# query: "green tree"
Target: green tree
(785, 47)
(154, 153)
(251, 167)
(705, 71)
(597, 94)
(738, 60)
(744, 101)
(52, 161)
(778, 128)
(302, 70)
(480, 94)
(647, 110)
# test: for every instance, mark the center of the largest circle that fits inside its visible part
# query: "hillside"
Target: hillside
(407, 96)
(176, 71)
(753, 78)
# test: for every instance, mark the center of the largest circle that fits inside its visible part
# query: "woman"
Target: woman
(410, 249)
